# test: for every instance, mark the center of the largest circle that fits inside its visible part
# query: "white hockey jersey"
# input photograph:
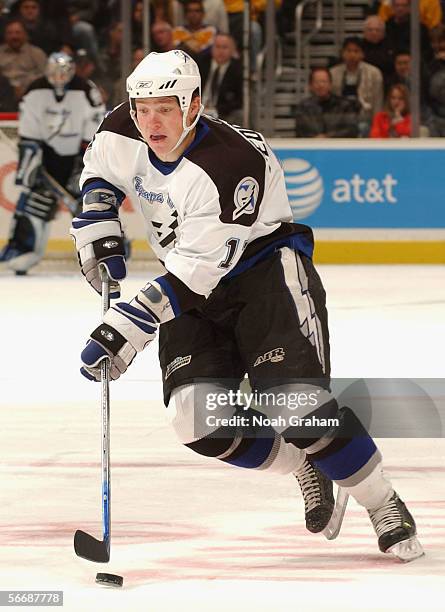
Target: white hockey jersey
(62, 124)
(210, 214)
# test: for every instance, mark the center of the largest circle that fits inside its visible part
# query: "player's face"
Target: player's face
(160, 121)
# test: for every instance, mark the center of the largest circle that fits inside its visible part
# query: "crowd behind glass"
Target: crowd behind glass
(364, 92)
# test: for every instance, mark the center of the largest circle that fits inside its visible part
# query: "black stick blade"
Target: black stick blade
(89, 548)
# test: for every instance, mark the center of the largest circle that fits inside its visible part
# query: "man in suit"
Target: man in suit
(222, 80)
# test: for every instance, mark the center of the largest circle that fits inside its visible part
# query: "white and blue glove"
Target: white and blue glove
(126, 330)
(99, 240)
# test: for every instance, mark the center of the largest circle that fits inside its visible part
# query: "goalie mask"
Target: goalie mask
(160, 75)
(60, 70)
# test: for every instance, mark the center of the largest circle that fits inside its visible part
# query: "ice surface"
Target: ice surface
(189, 533)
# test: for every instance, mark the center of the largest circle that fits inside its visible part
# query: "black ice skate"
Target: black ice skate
(322, 512)
(396, 530)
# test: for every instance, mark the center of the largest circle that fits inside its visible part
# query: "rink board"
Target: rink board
(368, 201)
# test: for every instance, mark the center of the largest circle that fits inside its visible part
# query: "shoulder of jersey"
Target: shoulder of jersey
(225, 149)
(118, 121)
(88, 87)
(232, 163)
(40, 83)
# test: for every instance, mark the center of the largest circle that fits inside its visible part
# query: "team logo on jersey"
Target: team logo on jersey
(151, 196)
(274, 356)
(245, 197)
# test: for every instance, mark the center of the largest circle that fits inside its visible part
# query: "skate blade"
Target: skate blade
(407, 550)
(332, 529)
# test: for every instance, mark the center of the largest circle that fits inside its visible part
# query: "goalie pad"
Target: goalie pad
(29, 164)
(29, 230)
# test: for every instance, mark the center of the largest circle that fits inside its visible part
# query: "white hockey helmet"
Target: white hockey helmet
(158, 75)
(60, 70)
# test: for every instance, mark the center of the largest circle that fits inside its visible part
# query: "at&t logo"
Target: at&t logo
(304, 187)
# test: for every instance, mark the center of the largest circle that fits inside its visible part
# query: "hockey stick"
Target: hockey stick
(60, 192)
(85, 545)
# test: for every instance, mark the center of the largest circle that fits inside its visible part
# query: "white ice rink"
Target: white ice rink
(189, 533)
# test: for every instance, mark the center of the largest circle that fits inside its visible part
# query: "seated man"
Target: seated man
(324, 114)
(20, 62)
(194, 36)
(358, 81)
(162, 37)
(376, 49)
(222, 79)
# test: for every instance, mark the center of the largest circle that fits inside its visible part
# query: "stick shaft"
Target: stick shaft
(105, 408)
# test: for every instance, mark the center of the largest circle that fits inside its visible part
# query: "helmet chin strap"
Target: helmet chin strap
(186, 129)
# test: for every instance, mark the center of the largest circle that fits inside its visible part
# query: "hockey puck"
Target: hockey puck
(109, 579)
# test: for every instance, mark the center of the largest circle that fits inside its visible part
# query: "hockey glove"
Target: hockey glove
(125, 331)
(99, 240)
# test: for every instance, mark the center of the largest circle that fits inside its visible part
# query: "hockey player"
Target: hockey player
(58, 117)
(240, 294)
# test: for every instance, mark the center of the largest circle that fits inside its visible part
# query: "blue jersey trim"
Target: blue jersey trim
(296, 241)
(202, 129)
(168, 289)
(103, 184)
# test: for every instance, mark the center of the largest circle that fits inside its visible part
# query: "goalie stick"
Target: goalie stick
(85, 545)
(50, 182)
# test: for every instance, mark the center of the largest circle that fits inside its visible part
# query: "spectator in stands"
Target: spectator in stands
(359, 82)
(222, 80)
(395, 120)
(20, 62)
(84, 36)
(194, 36)
(398, 30)
(137, 22)
(376, 50)
(56, 13)
(435, 121)
(119, 93)
(324, 114)
(215, 14)
(85, 64)
(235, 12)
(41, 32)
(162, 37)
(402, 74)
(430, 12)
